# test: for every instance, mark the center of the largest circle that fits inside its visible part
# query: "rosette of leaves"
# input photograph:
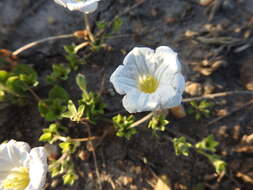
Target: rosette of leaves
(74, 114)
(56, 104)
(14, 85)
(158, 123)
(201, 109)
(123, 126)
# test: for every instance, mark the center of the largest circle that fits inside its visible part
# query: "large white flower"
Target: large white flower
(151, 79)
(22, 168)
(86, 6)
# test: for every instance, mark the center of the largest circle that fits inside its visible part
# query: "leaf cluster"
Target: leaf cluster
(201, 109)
(73, 60)
(158, 123)
(59, 72)
(56, 104)
(123, 126)
(14, 84)
(91, 103)
(205, 147)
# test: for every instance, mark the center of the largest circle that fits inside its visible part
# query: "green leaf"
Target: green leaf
(65, 146)
(81, 82)
(158, 123)
(46, 137)
(3, 76)
(181, 146)
(101, 25)
(117, 23)
(72, 107)
(67, 114)
(69, 178)
(208, 144)
(80, 110)
(26, 74)
(60, 72)
(58, 92)
(122, 124)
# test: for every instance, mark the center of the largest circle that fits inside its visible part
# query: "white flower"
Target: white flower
(151, 80)
(86, 6)
(22, 168)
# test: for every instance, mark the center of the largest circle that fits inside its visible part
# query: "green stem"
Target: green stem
(88, 28)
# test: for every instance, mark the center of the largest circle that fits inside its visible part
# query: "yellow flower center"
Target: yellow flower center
(147, 84)
(17, 179)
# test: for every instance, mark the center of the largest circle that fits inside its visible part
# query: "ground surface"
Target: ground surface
(222, 36)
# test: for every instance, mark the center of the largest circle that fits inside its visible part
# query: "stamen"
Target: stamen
(18, 179)
(147, 84)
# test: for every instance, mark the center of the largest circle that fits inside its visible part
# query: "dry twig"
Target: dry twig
(220, 94)
(230, 113)
(38, 42)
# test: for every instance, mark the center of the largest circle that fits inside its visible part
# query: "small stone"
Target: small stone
(205, 2)
(194, 88)
(178, 112)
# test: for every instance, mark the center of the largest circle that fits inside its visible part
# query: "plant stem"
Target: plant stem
(220, 94)
(64, 139)
(35, 43)
(88, 28)
(142, 120)
(93, 153)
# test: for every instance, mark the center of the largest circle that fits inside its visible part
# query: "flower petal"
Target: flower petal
(123, 79)
(84, 6)
(169, 97)
(13, 154)
(178, 83)
(141, 59)
(166, 57)
(90, 6)
(37, 168)
(136, 101)
(60, 2)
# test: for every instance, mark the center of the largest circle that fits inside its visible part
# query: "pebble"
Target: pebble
(205, 2)
(194, 88)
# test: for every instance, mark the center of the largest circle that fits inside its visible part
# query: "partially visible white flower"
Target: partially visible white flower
(150, 79)
(22, 168)
(86, 6)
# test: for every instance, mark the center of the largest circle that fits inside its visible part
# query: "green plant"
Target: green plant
(55, 105)
(92, 102)
(205, 147)
(60, 72)
(15, 84)
(203, 108)
(73, 60)
(158, 123)
(123, 126)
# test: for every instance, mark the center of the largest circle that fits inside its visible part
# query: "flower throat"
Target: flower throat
(147, 84)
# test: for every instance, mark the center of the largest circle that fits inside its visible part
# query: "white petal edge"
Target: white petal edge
(121, 81)
(165, 55)
(90, 7)
(13, 154)
(142, 58)
(84, 6)
(37, 168)
(61, 2)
